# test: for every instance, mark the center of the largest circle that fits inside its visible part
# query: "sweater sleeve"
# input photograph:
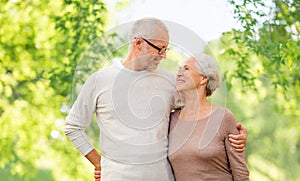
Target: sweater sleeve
(237, 161)
(80, 116)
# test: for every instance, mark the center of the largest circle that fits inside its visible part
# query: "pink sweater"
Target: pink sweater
(200, 150)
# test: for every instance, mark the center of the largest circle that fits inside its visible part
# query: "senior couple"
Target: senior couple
(144, 132)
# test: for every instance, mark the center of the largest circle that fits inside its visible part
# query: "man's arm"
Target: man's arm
(95, 158)
(80, 117)
(239, 141)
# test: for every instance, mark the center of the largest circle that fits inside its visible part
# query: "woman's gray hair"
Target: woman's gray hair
(146, 28)
(207, 66)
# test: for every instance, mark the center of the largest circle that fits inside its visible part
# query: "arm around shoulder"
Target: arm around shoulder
(238, 140)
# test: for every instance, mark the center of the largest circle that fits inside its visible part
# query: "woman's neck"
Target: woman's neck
(195, 98)
(196, 106)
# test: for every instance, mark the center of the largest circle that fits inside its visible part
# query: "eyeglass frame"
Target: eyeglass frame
(160, 50)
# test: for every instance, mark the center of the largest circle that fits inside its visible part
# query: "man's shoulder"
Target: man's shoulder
(165, 73)
(102, 74)
(105, 70)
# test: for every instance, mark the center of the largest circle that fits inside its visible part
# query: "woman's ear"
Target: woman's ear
(204, 79)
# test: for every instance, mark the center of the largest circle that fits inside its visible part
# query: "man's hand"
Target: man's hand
(97, 174)
(238, 142)
(95, 159)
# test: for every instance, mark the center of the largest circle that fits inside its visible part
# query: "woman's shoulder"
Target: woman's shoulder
(175, 112)
(174, 115)
(228, 121)
(226, 112)
(174, 118)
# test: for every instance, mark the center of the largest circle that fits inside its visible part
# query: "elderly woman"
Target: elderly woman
(199, 147)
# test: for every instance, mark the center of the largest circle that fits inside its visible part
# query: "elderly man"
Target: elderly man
(132, 100)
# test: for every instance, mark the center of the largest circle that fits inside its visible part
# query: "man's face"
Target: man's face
(154, 50)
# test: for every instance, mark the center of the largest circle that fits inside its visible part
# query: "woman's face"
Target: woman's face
(188, 76)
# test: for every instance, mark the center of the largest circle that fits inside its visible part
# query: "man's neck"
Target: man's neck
(131, 64)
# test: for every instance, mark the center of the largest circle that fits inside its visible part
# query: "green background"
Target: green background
(41, 47)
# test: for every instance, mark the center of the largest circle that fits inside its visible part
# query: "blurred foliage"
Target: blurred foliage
(48, 48)
(40, 44)
(270, 30)
(260, 65)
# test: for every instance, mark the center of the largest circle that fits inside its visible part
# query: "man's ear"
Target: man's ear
(137, 43)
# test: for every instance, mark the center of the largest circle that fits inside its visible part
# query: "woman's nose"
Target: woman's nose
(179, 73)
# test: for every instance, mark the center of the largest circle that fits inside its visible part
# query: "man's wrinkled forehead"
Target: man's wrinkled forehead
(160, 35)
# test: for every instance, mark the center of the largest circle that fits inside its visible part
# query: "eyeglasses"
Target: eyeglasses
(160, 50)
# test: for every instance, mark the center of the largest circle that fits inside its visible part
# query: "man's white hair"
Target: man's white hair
(146, 28)
(207, 66)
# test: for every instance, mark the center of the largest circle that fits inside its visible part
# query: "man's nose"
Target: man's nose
(163, 55)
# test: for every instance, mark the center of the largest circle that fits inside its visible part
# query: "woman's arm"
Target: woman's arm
(237, 160)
